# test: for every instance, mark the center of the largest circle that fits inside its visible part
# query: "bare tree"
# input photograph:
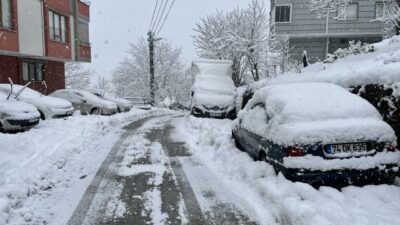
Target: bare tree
(131, 77)
(323, 9)
(391, 13)
(240, 35)
(103, 83)
(77, 75)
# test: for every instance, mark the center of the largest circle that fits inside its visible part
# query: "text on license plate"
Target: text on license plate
(215, 114)
(347, 148)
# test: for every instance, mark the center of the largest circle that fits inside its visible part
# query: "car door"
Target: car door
(76, 101)
(253, 128)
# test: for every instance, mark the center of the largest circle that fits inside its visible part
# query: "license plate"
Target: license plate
(346, 148)
(215, 114)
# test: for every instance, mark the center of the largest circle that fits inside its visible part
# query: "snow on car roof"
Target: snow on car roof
(316, 112)
(313, 101)
(379, 67)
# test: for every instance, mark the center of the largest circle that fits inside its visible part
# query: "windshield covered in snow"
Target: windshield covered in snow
(26, 93)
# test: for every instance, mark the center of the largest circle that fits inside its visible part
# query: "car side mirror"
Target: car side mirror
(83, 100)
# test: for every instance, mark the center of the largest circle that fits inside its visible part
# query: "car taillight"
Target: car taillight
(391, 148)
(296, 151)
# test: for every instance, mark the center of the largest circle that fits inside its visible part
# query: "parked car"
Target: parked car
(49, 107)
(16, 116)
(140, 103)
(86, 102)
(318, 133)
(213, 90)
(123, 105)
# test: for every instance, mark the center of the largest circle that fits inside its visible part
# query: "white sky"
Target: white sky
(115, 23)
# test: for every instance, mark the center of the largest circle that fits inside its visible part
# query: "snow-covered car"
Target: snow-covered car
(213, 90)
(87, 102)
(140, 102)
(123, 105)
(16, 115)
(318, 133)
(49, 107)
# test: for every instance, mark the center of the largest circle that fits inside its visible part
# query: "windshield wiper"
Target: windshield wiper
(22, 90)
(11, 89)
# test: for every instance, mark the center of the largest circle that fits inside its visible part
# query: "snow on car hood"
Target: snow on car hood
(48, 102)
(35, 98)
(119, 101)
(15, 109)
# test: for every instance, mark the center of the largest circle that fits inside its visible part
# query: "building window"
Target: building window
(58, 27)
(83, 31)
(379, 10)
(5, 11)
(32, 71)
(282, 14)
(349, 13)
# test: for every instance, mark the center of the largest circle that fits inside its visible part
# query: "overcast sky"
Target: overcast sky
(115, 23)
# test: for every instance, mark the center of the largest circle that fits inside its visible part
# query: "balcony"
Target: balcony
(85, 52)
(84, 8)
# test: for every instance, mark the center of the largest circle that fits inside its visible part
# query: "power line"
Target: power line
(154, 12)
(161, 17)
(158, 14)
(165, 19)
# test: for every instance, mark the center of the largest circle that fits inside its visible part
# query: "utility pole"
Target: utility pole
(152, 71)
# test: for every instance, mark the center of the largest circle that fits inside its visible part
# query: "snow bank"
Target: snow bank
(379, 67)
(270, 199)
(309, 113)
(54, 163)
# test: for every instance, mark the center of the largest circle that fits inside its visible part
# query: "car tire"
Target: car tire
(95, 111)
(118, 110)
(237, 143)
(1, 128)
(42, 117)
(262, 157)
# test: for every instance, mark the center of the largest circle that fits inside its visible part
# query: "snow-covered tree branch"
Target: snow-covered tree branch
(77, 75)
(323, 8)
(131, 77)
(240, 35)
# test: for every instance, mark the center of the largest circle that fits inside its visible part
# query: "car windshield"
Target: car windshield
(26, 93)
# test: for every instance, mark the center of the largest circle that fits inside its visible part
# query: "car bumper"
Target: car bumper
(108, 112)
(62, 113)
(216, 115)
(378, 175)
(19, 124)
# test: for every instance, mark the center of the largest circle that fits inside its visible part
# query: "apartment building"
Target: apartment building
(295, 23)
(37, 37)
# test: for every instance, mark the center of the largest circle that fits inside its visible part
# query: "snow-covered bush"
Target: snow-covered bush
(353, 49)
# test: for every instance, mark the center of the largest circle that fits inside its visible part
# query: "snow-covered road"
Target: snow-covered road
(161, 167)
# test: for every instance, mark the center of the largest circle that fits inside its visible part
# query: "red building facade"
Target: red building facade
(37, 38)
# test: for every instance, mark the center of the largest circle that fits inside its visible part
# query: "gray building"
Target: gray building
(294, 22)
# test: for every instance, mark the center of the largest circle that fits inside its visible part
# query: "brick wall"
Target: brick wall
(9, 40)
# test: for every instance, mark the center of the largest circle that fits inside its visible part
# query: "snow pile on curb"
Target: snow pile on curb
(271, 199)
(54, 163)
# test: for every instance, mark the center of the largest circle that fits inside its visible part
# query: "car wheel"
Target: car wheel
(1, 128)
(237, 143)
(119, 110)
(42, 116)
(96, 111)
(262, 157)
